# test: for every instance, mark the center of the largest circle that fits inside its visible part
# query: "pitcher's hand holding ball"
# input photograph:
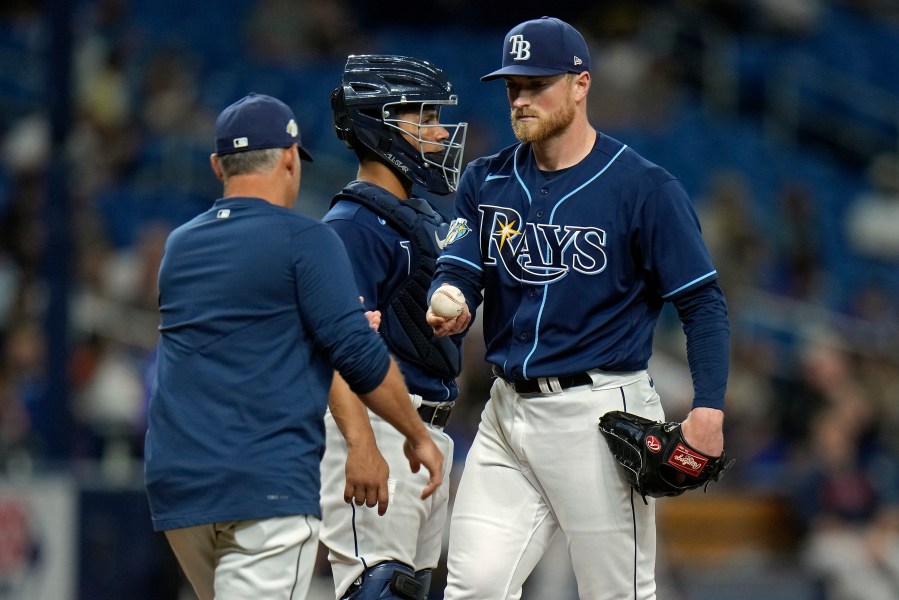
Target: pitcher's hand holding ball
(448, 313)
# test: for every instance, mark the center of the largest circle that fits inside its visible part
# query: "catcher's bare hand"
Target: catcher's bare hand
(366, 477)
(374, 319)
(373, 316)
(425, 452)
(703, 429)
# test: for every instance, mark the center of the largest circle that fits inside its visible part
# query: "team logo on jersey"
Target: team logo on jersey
(521, 48)
(458, 229)
(539, 253)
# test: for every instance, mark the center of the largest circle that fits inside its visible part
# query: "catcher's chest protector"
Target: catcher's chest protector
(404, 326)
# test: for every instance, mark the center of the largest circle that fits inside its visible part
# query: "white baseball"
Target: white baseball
(447, 302)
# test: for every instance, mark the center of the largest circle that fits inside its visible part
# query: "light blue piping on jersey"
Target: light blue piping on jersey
(517, 176)
(460, 260)
(527, 192)
(524, 366)
(686, 285)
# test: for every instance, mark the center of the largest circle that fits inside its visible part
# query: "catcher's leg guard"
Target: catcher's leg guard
(424, 580)
(389, 580)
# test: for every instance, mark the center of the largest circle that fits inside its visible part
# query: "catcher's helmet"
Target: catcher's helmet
(374, 91)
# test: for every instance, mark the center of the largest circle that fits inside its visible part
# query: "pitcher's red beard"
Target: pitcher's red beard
(544, 127)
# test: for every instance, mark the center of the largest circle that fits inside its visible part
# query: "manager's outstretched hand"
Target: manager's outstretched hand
(390, 401)
(425, 452)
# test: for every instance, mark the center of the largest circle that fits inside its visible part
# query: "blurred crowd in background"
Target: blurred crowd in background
(781, 117)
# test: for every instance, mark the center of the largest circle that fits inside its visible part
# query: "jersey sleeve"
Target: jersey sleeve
(670, 241)
(460, 262)
(462, 248)
(703, 312)
(329, 305)
(370, 258)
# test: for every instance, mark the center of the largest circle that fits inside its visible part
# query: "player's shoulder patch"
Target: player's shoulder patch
(458, 229)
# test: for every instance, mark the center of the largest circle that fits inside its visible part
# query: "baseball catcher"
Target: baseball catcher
(654, 457)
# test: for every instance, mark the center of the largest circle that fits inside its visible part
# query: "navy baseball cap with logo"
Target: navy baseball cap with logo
(542, 47)
(257, 122)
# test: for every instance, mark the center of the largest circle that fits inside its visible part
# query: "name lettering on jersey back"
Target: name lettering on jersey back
(539, 253)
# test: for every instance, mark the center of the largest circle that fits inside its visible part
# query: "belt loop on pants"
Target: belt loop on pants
(545, 385)
(435, 414)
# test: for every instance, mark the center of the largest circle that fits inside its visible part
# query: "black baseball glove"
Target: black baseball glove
(654, 457)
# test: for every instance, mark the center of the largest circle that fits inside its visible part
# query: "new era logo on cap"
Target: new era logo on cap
(541, 47)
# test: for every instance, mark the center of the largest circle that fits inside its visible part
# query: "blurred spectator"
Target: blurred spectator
(24, 379)
(22, 233)
(102, 144)
(752, 414)
(15, 427)
(880, 376)
(733, 230)
(873, 304)
(131, 273)
(813, 377)
(102, 95)
(849, 500)
(637, 88)
(872, 220)
(638, 85)
(169, 92)
(115, 295)
(110, 408)
(114, 326)
(285, 33)
(790, 17)
(803, 275)
(26, 148)
(9, 287)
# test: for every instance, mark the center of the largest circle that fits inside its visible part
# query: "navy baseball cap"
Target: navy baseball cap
(541, 47)
(256, 122)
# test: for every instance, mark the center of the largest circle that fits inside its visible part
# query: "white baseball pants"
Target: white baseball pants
(539, 465)
(236, 560)
(410, 532)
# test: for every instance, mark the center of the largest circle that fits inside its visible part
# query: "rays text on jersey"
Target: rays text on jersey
(539, 253)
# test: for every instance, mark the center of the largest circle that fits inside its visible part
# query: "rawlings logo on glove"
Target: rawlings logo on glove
(654, 457)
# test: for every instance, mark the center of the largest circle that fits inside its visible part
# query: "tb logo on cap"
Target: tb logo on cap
(520, 47)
